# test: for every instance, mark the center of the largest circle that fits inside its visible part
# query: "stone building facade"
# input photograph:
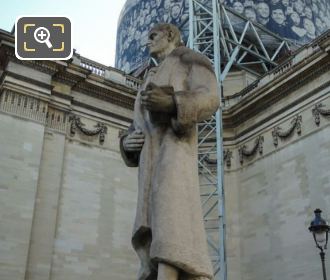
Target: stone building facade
(67, 201)
(276, 142)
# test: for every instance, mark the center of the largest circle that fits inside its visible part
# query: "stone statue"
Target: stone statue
(169, 235)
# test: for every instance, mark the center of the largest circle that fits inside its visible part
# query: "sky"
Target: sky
(94, 22)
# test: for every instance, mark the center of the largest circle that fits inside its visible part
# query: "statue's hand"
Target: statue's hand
(156, 99)
(134, 142)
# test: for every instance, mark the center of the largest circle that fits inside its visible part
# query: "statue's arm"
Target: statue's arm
(199, 102)
(131, 144)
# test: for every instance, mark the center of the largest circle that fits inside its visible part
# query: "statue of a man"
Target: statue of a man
(169, 235)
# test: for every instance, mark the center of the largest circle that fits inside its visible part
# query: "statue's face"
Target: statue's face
(157, 42)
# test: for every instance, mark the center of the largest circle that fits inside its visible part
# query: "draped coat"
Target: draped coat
(169, 224)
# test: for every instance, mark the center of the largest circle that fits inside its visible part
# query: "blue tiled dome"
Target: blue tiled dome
(300, 20)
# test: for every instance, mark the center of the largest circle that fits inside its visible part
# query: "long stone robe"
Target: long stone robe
(169, 224)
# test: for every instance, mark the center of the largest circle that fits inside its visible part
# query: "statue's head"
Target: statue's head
(163, 38)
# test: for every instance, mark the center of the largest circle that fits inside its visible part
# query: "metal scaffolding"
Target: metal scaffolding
(231, 42)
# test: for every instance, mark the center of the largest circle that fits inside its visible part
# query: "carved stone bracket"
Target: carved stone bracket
(100, 128)
(245, 152)
(317, 111)
(278, 132)
(227, 156)
(210, 160)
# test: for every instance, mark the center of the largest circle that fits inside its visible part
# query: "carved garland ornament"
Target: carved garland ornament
(318, 110)
(100, 128)
(278, 132)
(245, 152)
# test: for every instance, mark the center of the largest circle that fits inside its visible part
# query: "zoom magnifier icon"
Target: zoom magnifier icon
(42, 35)
(43, 38)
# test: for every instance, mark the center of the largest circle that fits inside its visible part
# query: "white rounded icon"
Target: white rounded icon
(41, 35)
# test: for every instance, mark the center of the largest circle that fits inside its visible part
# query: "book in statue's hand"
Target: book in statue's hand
(160, 117)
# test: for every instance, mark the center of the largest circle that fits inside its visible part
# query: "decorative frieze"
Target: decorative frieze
(67, 78)
(100, 128)
(279, 132)
(319, 110)
(245, 152)
(23, 105)
(43, 66)
(56, 119)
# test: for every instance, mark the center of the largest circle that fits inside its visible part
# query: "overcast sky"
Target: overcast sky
(94, 22)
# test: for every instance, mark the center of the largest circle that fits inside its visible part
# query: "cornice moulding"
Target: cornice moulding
(255, 103)
(104, 94)
(243, 134)
(28, 80)
(100, 111)
(21, 88)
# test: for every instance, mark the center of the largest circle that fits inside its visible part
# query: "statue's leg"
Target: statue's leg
(167, 272)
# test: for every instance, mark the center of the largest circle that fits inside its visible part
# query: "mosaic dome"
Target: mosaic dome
(298, 20)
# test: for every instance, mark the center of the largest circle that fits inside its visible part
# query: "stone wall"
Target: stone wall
(279, 171)
(67, 200)
(19, 172)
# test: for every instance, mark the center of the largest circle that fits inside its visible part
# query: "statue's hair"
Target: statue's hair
(167, 27)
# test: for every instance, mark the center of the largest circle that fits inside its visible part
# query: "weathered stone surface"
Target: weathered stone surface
(67, 200)
(46, 207)
(275, 199)
(95, 216)
(271, 194)
(19, 172)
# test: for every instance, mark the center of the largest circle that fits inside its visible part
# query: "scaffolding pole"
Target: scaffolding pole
(230, 41)
(204, 38)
